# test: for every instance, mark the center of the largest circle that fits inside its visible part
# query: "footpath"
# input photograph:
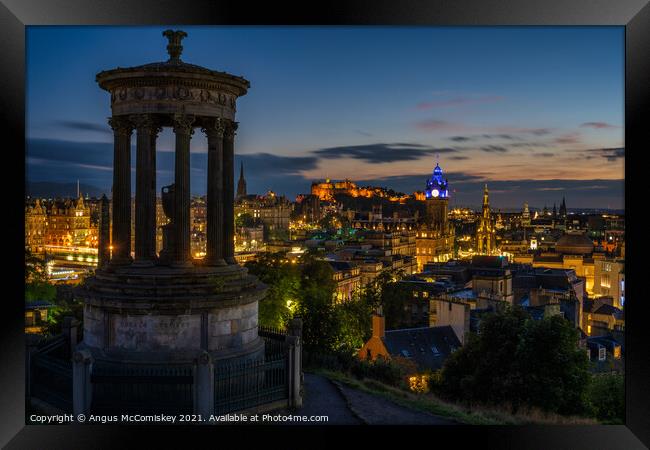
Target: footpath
(348, 406)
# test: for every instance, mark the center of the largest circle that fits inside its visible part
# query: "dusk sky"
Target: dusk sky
(537, 113)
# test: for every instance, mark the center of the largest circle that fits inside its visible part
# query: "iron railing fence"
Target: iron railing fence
(121, 389)
(248, 384)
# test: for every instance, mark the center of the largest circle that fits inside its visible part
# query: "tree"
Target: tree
(606, 395)
(37, 284)
(522, 362)
(315, 305)
(330, 222)
(283, 281)
(354, 320)
(390, 296)
(307, 290)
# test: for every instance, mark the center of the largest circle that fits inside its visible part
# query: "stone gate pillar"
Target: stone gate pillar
(81, 385)
(204, 385)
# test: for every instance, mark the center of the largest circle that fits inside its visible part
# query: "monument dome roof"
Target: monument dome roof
(173, 70)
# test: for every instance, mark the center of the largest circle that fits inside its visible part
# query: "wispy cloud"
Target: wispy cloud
(494, 149)
(598, 125)
(610, 154)
(80, 125)
(382, 152)
(568, 138)
(441, 125)
(533, 131)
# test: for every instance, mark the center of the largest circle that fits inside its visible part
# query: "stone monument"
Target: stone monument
(147, 309)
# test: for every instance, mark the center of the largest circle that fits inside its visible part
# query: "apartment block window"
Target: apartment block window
(602, 354)
(605, 281)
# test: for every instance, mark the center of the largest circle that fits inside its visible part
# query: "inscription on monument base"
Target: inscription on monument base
(149, 332)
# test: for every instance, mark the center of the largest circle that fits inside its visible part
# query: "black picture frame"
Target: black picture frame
(634, 15)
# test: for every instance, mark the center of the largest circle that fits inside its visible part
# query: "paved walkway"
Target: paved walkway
(347, 406)
(321, 397)
(375, 410)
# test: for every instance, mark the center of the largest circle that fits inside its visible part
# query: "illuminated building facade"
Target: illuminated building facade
(435, 237)
(525, 216)
(485, 231)
(609, 280)
(35, 227)
(198, 227)
(397, 242)
(348, 279)
(68, 224)
(326, 190)
(272, 210)
(309, 208)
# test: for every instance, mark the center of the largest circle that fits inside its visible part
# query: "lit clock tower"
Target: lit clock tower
(437, 200)
(434, 241)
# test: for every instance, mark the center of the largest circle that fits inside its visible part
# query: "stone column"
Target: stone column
(145, 196)
(229, 192)
(122, 129)
(104, 252)
(152, 225)
(183, 130)
(215, 208)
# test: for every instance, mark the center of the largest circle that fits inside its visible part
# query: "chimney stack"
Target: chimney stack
(378, 326)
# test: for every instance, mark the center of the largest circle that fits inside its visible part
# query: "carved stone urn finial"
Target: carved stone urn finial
(174, 48)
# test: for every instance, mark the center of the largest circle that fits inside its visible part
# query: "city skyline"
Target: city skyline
(490, 104)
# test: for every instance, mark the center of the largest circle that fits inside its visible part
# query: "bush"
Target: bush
(606, 396)
(522, 362)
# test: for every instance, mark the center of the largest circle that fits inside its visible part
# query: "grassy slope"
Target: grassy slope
(474, 415)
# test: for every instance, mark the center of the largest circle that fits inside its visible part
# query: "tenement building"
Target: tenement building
(35, 226)
(435, 237)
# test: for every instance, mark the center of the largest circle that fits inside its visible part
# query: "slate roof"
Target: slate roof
(609, 310)
(38, 304)
(341, 265)
(429, 347)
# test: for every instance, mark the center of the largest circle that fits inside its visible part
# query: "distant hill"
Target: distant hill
(47, 189)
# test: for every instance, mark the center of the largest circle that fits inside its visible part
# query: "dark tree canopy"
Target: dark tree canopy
(519, 361)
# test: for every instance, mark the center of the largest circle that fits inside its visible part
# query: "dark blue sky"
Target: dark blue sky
(537, 113)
